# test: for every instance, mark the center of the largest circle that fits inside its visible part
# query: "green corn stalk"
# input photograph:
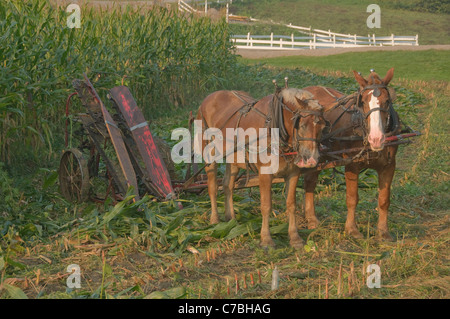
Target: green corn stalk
(168, 61)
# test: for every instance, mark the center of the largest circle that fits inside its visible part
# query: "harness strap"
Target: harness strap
(366, 115)
(336, 132)
(248, 105)
(342, 101)
(331, 94)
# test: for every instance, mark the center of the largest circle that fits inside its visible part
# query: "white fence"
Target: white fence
(328, 36)
(315, 41)
(184, 7)
(315, 38)
(202, 2)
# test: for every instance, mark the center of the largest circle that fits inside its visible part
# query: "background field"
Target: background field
(426, 65)
(428, 19)
(152, 249)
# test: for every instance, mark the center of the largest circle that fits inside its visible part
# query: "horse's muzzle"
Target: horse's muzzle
(376, 141)
(309, 163)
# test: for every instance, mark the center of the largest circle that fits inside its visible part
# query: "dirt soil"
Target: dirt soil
(263, 54)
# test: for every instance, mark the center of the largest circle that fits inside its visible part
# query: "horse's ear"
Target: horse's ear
(362, 82)
(301, 102)
(388, 76)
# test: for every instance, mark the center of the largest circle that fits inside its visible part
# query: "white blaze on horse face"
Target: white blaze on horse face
(376, 135)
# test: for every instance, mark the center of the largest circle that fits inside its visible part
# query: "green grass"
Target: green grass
(144, 249)
(344, 16)
(415, 65)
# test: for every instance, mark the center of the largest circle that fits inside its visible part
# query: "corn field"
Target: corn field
(167, 60)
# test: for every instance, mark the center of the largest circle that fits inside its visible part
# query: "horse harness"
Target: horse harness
(274, 119)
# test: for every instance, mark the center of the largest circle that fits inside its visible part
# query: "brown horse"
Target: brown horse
(300, 122)
(365, 117)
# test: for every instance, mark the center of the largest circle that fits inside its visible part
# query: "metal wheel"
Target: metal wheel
(74, 176)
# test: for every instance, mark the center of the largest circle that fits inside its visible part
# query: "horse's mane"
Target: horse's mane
(374, 79)
(291, 95)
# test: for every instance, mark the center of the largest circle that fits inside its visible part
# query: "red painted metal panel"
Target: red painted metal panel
(154, 165)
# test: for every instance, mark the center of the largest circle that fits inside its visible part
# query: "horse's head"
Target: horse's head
(307, 125)
(375, 103)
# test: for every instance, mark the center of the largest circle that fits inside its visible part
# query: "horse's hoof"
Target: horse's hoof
(297, 244)
(214, 220)
(384, 236)
(313, 224)
(229, 217)
(267, 243)
(353, 232)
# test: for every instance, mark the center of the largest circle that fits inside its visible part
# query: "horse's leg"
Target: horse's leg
(211, 173)
(385, 176)
(229, 178)
(351, 181)
(310, 182)
(291, 183)
(265, 188)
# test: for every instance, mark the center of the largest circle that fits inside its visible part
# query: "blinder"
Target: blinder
(357, 119)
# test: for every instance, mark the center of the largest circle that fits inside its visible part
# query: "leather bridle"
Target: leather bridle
(390, 109)
(349, 102)
(296, 116)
